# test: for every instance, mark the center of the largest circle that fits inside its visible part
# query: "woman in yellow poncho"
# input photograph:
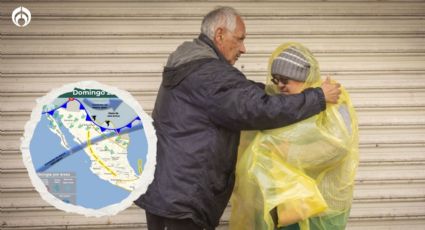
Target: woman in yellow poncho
(299, 176)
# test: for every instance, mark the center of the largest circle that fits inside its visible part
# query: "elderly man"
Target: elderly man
(202, 105)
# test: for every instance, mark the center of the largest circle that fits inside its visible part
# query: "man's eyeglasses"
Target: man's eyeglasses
(277, 79)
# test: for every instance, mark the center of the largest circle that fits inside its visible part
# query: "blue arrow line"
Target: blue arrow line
(113, 103)
(83, 145)
(88, 118)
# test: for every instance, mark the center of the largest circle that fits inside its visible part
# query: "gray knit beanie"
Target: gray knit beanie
(291, 63)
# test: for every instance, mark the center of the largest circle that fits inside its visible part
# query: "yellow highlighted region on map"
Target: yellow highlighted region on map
(140, 166)
(98, 160)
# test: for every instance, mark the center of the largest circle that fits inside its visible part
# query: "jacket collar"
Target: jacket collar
(210, 43)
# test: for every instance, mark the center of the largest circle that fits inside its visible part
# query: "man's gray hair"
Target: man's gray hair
(220, 17)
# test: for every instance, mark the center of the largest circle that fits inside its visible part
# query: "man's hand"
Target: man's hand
(331, 90)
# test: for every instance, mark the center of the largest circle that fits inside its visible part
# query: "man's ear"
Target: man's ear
(218, 36)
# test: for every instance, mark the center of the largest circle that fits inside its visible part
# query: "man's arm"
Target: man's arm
(331, 90)
(236, 103)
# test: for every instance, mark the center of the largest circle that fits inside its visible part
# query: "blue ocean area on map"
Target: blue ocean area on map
(91, 191)
(136, 149)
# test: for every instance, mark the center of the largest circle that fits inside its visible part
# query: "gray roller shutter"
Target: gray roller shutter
(376, 49)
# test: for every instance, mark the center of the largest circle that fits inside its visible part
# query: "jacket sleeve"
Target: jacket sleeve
(239, 104)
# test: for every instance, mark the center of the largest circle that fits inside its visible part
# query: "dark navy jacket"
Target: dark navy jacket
(202, 105)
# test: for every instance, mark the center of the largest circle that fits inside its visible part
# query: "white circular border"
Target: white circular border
(148, 171)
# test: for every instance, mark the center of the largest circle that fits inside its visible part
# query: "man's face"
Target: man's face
(231, 44)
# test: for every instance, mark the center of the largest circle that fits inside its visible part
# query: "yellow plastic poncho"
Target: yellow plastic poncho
(306, 170)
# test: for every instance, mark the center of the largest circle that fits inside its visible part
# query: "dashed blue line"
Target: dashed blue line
(128, 128)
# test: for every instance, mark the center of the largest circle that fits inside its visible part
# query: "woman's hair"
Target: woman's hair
(220, 17)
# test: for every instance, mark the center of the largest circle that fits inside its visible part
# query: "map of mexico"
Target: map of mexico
(89, 151)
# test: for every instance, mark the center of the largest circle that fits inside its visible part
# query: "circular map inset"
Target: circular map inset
(89, 149)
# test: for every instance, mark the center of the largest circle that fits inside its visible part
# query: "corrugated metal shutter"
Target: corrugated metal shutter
(375, 48)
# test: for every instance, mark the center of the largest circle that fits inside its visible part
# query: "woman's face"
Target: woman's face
(287, 86)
